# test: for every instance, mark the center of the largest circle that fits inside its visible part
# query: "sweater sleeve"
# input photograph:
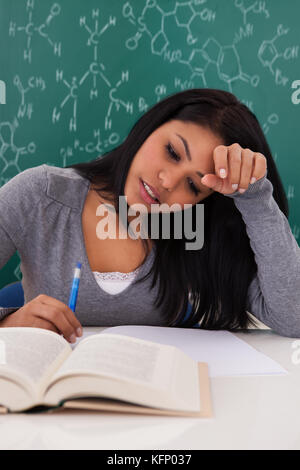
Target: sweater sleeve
(274, 293)
(18, 198)
(7, 249)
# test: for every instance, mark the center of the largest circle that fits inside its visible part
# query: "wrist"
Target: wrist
(7, 320)
(253, 189)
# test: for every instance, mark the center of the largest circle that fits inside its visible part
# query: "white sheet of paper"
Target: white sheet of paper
(225, 354)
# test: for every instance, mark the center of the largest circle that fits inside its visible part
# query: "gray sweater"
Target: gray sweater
(40, 217)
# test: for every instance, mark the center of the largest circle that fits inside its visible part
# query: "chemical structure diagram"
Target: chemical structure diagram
(91, 147)
(225, 58)
(96, 69)
(268, 55)
(247, 29)
(30, 29)
(256, 7)
(10, 153)
(99, 145)
(73, 96)
(33, 83)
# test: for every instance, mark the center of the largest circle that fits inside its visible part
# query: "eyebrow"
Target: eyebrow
(188, 153)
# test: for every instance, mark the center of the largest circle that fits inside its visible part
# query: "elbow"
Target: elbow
(289, 329)
(290, 333)
(285, 322)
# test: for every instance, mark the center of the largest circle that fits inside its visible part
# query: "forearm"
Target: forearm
(274, 296)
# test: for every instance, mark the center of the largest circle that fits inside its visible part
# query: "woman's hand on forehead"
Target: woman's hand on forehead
(235, 169)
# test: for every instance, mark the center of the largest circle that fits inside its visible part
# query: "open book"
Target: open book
(103, 372)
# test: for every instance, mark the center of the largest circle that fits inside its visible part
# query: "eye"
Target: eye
(193, 187)
(172, 154)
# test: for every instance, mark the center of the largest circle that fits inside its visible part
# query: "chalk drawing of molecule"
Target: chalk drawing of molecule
(268, 55)
(96, 70)
(257, 7)
(9, 152)
(95, 146)
(41, 30)
(26, 109)
(73, 87)
(152, 22)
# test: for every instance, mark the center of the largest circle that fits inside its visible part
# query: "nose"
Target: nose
(169, 179)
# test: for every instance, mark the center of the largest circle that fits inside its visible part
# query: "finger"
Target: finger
(259, 166)
(57, 318)
(68, 313)
(220, 160)
(213, 182)
(234, 163)
(246, 169)
(46, 325)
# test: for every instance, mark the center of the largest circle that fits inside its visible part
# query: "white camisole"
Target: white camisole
(115, 282)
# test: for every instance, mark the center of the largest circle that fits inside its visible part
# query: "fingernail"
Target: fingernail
(252, 180)
(79, 332)
(241, 190)
(235, 186)
(223, 173)
(72, 339)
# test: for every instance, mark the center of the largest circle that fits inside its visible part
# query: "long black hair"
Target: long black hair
(216, 278)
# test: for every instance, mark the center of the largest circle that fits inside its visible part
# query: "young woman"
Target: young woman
(199, 146)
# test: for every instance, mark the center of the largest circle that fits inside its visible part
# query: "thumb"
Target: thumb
(212, 181)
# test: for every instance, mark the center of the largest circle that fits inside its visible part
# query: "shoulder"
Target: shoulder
(64, 185)
(21, 187)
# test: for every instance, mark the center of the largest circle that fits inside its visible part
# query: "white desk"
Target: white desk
(260, 412)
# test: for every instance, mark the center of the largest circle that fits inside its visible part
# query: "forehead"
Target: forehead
(191, 129)
(201, 140)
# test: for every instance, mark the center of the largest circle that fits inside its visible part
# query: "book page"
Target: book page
(31, 355)
(131, 369)
(117, 357)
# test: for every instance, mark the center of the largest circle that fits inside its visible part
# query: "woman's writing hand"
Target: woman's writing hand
(241, 166)
(48, 313)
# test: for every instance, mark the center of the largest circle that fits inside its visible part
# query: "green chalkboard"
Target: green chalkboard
(78, 75)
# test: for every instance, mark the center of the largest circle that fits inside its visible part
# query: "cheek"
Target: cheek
(181, 198)
(147, 168)
(151, 152)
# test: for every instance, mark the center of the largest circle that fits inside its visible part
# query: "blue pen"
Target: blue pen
(75, 287)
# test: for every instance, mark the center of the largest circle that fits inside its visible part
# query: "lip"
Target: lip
(156, 193)
(145, 195)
